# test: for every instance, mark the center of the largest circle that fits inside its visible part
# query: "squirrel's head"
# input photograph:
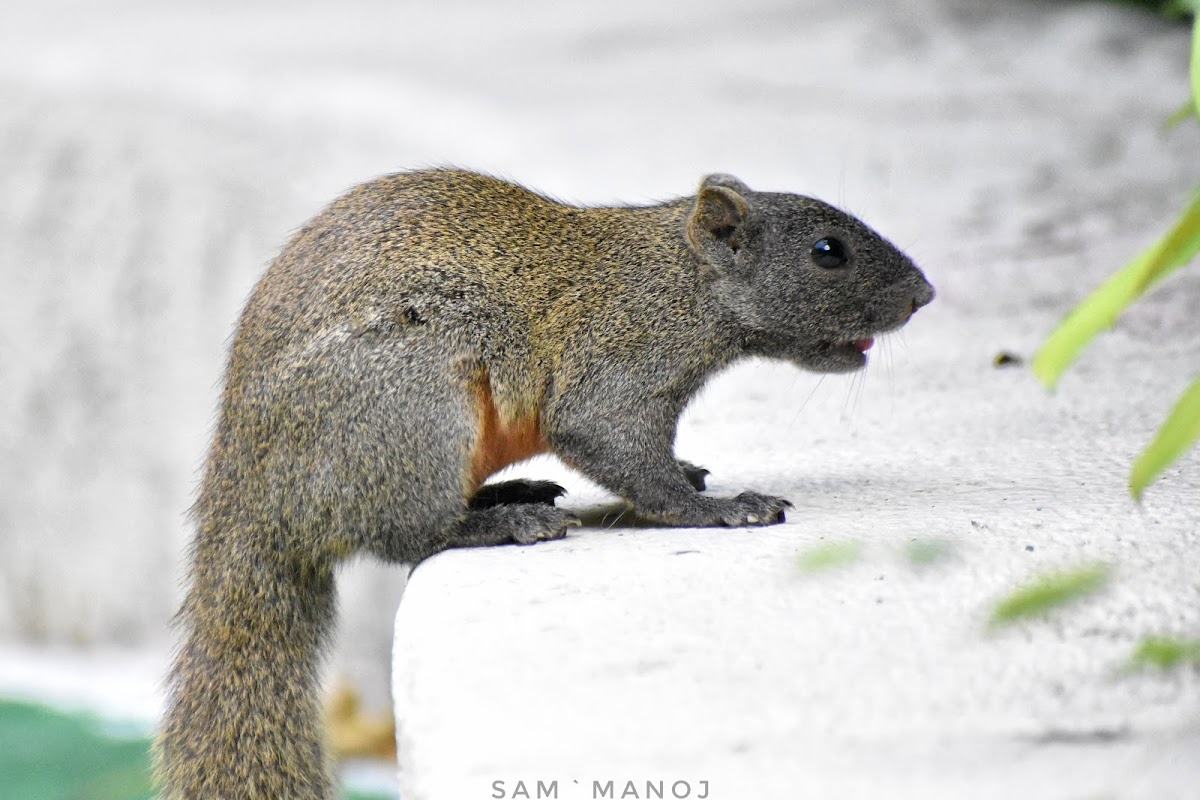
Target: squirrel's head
(809, 283)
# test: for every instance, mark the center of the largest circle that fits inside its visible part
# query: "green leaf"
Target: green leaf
(1096, 313)
(1196, 57)
(828, 556)
(1102, 307)
(1185, 111)
(925, 552)
(1166, 652)
(1050, 592)
(1176, 249)
(1177, 434)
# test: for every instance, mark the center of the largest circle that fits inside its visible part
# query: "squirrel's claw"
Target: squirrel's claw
(752, 508)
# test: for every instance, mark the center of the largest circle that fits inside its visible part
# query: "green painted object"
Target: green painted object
(46, 754)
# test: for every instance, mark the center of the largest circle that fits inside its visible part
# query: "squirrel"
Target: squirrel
(430, 328)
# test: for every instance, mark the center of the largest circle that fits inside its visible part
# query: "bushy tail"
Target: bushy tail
(244, 714)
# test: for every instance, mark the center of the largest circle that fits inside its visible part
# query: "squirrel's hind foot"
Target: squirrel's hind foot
(695, 474)
(518, 492)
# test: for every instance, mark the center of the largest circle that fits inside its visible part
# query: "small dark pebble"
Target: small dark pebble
(1007, 359)
(1029, 548)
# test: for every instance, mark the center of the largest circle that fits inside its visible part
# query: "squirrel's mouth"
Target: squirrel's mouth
(863, 345)
(851, 355)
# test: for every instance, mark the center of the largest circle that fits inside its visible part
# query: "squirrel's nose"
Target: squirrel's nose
(923, 297)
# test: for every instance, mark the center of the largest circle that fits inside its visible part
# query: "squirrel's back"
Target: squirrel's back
(501, 272)
(449, 231)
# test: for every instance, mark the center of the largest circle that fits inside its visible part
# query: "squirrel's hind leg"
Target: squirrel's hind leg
(695, 474)
(518, 492)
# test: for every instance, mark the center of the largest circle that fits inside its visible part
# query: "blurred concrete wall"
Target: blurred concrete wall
(131, 230)
(128, 235)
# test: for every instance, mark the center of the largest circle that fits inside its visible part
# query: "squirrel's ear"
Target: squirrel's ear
(726, 180)
(718, 213)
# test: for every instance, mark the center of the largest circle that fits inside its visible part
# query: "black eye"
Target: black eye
(829, 253)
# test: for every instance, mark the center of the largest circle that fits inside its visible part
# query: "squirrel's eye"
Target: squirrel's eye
(829, 253)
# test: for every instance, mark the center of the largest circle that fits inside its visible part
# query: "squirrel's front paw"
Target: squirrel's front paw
(538, 523)
(752, 508)
(748, 508)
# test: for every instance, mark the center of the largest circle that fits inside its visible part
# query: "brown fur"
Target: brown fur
(501, 442)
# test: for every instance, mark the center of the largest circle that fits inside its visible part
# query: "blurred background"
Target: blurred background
(155, 156)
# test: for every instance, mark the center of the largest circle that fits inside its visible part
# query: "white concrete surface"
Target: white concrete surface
(630, 654)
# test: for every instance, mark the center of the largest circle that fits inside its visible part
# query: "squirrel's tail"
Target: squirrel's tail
(244, 712)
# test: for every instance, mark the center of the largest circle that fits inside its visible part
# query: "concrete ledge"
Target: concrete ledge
(650, 654)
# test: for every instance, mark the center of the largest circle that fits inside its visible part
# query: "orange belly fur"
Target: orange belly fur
(499, 443)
